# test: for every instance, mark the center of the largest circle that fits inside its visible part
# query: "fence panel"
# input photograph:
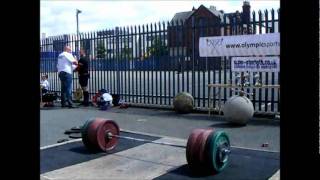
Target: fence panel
(151, 63)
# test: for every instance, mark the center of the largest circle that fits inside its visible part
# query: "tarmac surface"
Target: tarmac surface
(137, 160)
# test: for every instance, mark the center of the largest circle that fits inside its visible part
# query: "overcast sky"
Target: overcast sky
(58, 17)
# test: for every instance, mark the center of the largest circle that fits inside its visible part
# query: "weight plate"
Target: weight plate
(202, 153)
(75, 136)
(92, 133)
(84, 134)
(209, 163)
(199, 155)
(191, 149)
(218, 142)
(76, 128)
(108, 126)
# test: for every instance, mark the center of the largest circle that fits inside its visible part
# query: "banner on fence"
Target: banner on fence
(240, 45)
(255, 64)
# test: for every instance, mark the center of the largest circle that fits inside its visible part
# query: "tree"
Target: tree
(157, 48)
(126, 52)
(101, 50)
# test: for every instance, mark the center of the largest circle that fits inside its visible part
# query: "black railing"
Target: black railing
(151, 63)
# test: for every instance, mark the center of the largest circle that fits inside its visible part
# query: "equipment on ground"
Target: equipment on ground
(238, 109)
(183, 102)
(207, 150)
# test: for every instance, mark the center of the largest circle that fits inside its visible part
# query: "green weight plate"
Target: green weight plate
(208, 162)
(219, 160)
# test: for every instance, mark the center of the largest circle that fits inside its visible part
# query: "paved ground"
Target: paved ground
(70, 160)
(164, 122)
(148, 161)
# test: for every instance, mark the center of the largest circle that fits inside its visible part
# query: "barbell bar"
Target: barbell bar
(110, 136)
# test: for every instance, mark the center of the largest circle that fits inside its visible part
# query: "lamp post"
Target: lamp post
(77, 16)
(78, 12)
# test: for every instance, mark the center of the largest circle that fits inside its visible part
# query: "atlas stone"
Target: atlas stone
(238, 110)
(183, 103)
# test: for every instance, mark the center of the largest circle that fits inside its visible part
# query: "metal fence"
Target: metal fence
(150, 64)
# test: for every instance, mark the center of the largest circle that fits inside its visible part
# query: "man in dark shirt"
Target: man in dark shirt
(83, 71)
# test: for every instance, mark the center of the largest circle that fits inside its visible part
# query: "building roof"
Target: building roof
(181, 16)
(215, 12)
(185, 15)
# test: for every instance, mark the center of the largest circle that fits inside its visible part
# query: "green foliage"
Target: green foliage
(157, 48)
(101, 50)
(126, 52)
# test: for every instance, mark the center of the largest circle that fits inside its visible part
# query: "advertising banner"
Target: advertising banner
(240, 45)
(255, 64)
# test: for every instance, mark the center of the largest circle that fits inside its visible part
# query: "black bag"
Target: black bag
(115, 99)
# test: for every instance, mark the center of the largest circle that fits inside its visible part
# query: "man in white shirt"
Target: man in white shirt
(66, 65)
(105, 100)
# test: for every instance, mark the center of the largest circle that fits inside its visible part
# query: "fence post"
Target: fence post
(193, 55)
(117, 60)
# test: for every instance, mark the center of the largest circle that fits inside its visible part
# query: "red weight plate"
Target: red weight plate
(192, 147)
(92, 131)
(104, 143)
(191, 139)
(196, 149)
(208, 162)
(199, 149)
(84, 135)
(202, 156)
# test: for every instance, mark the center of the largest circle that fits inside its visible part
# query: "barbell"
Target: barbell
(206, 149)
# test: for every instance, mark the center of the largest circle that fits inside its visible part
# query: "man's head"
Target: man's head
(82, 52)
(67, 49)
(44, 77)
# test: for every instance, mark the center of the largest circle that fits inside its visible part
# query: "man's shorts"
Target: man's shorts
(83, 80)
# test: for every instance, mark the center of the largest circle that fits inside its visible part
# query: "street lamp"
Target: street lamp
(78, 45)
(78, 12)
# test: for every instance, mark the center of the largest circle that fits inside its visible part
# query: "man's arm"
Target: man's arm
(71, 58)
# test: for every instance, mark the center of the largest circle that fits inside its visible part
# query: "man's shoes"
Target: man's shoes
(71, 106)
(84, 104)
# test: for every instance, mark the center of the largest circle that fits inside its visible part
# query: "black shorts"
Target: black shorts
(44, 91)
(83, 80)
(49, 97)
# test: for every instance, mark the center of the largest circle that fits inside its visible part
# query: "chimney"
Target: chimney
(43, 35)
(246, 12)
(246, 3)
(193, 8)
(213, 8)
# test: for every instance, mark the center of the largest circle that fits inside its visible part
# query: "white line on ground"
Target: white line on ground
(60, 144)
(42, 177)
(276, 176)
(157, 135)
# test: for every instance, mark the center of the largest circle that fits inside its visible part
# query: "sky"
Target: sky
(58, 17)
